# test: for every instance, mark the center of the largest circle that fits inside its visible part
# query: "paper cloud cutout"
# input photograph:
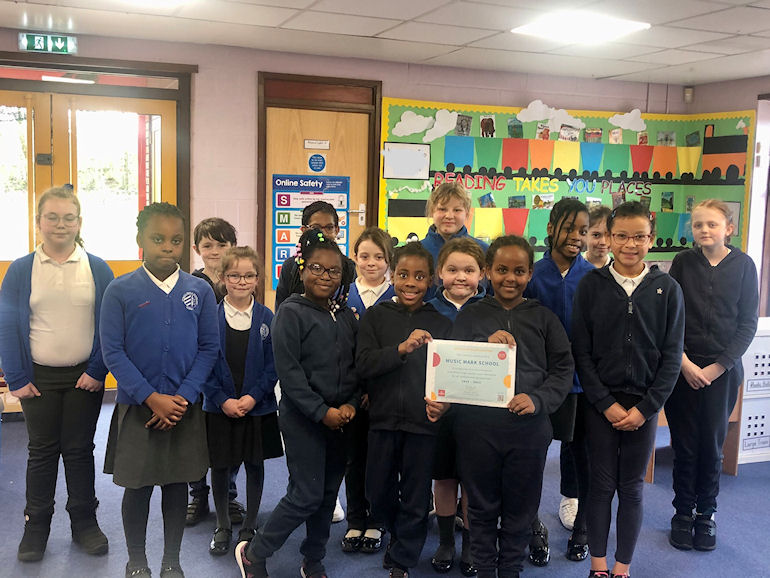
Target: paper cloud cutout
(741, 124)
(445, 121)
(629, 121)
(412, 123)
(538, 110)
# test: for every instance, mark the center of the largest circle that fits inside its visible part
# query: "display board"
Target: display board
(517, 162)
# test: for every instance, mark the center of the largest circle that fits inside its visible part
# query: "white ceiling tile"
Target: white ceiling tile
(655, 11)
(674, 56)
(437, 33)
(720, 69)
(539, 4)
(480, 15)
(617, 50)
(339, 23)
(522, 42)
(396, 9)
(236, 12)
(281, 3)
(760, 3)
(734, 45)
(738, 20)
(527, 62)
(668, 37)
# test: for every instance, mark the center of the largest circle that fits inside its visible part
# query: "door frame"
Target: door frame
(182, 95)
(316, 93)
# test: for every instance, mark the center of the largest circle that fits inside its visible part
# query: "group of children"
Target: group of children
(601, 344)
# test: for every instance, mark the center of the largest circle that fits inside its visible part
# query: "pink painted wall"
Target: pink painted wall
(730, 95)
(224, 121)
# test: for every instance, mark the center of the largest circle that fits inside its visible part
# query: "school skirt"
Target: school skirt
(249, 439)
(137, 456)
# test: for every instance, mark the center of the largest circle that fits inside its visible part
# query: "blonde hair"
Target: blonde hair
(722, 207)
(444, 193)
(235, 254)
(64, 192)
(464, 245)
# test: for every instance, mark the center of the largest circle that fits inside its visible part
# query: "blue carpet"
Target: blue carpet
(744, 527)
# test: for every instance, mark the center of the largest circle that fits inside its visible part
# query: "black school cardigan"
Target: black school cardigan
(628, 344)
(396, 384)
(721, 305)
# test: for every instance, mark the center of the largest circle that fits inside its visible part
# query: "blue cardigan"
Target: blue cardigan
(153, 342)
(357, 306)
(447, 308)
(557, 292)
(259, 376)
(15, 352)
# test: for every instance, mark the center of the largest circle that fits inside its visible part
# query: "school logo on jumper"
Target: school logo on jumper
(264, 331)
(190, 300)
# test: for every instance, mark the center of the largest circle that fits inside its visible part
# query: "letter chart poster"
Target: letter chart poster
(291, 194)
(517, 162)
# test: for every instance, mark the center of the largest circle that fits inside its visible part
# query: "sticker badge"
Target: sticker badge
(660, 291)
(190, 300)
(264, 331)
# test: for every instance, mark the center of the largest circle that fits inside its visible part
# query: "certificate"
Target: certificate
(470, 372)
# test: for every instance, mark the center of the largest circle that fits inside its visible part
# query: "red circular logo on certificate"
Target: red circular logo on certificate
(502, 355)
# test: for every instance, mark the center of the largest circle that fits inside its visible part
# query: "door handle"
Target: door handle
(361, 211)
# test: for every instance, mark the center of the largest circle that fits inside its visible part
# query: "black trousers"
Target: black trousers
(359, 511)
(398, 485)
(618, 463)
(573, 462)
(315, 457)
(698, 420)
(501, 469)
(61, 422)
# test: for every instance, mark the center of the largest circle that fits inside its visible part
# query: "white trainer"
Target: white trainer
(339, 513)
(568, 511)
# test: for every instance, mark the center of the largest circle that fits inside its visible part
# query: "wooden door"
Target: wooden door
(347, 155)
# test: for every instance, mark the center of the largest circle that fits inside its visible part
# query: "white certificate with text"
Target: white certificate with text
(470, 372)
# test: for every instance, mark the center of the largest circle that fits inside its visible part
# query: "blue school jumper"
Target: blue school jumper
(15, 353)
(259, 377)
(447, 308)
(153, 342)
(433, 242)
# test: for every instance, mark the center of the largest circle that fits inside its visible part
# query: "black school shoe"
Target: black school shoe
(444, 558)
(351, 543)
(236, 511)
(577, 546)
(171, 572)
(539, 552)
(197, 510)
(33, 542)
(220, 541)
(705, 534)
(681, 532)
(372, 544)
(142, 572)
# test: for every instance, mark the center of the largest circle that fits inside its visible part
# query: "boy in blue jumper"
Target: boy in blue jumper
(160, 341)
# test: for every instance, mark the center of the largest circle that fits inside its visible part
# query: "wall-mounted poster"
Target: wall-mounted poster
(515, 176)
(402, 160)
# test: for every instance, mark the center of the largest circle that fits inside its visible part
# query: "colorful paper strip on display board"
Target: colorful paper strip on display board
(669, 162)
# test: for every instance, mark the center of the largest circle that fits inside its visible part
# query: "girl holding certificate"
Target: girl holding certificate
(501, 451)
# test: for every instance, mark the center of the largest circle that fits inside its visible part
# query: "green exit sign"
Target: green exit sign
(53, 43)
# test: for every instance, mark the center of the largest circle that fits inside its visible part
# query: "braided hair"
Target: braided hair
(561, 211)
(310, 241)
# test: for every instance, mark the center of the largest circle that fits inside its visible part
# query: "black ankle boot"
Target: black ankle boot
(87, 534)
(34, 540)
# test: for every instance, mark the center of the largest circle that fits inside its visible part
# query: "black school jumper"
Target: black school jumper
(500, 455)
(628, 350)
(314, 354)
(402, 442)
(720, 321)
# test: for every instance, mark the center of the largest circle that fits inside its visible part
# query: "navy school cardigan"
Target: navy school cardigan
(157, 342)
(259, 376)
(357, 305)
(15, 352)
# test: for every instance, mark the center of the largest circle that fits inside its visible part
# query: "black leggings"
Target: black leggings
(136, 510)
(618, 461)
(573, 460)
(220, 489)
